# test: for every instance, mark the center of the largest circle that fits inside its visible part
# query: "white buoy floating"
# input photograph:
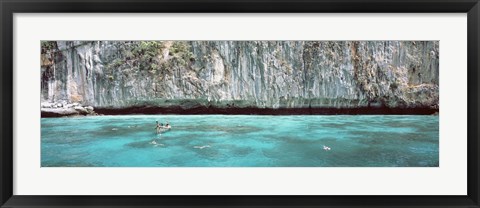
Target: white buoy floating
(201, 147)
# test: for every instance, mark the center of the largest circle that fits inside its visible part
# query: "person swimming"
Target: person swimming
(159, 127)
(162, 128)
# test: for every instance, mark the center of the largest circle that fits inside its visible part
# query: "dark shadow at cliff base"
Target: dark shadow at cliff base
(267, 111)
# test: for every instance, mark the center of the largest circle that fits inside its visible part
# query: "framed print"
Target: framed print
(246, 104)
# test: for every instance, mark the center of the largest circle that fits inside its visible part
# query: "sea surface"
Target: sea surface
(241, 141)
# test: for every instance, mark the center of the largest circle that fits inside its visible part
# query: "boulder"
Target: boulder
(46, 105)
(81, 110)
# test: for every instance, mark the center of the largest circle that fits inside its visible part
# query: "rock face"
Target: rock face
(65, 109)
(260, 74)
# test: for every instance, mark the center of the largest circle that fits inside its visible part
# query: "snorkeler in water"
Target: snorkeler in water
(159, 127)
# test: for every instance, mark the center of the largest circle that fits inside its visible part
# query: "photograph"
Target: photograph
(270, 103)
(239, 103)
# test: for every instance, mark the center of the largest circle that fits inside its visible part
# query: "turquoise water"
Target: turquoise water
(241, 141)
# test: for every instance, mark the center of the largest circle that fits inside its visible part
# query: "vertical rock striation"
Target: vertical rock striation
(260, 74)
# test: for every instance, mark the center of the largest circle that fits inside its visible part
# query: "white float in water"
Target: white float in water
(201, 147)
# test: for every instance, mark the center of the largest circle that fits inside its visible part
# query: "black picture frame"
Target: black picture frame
(9, 7)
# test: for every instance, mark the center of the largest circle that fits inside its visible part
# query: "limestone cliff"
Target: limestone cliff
(260, 74)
